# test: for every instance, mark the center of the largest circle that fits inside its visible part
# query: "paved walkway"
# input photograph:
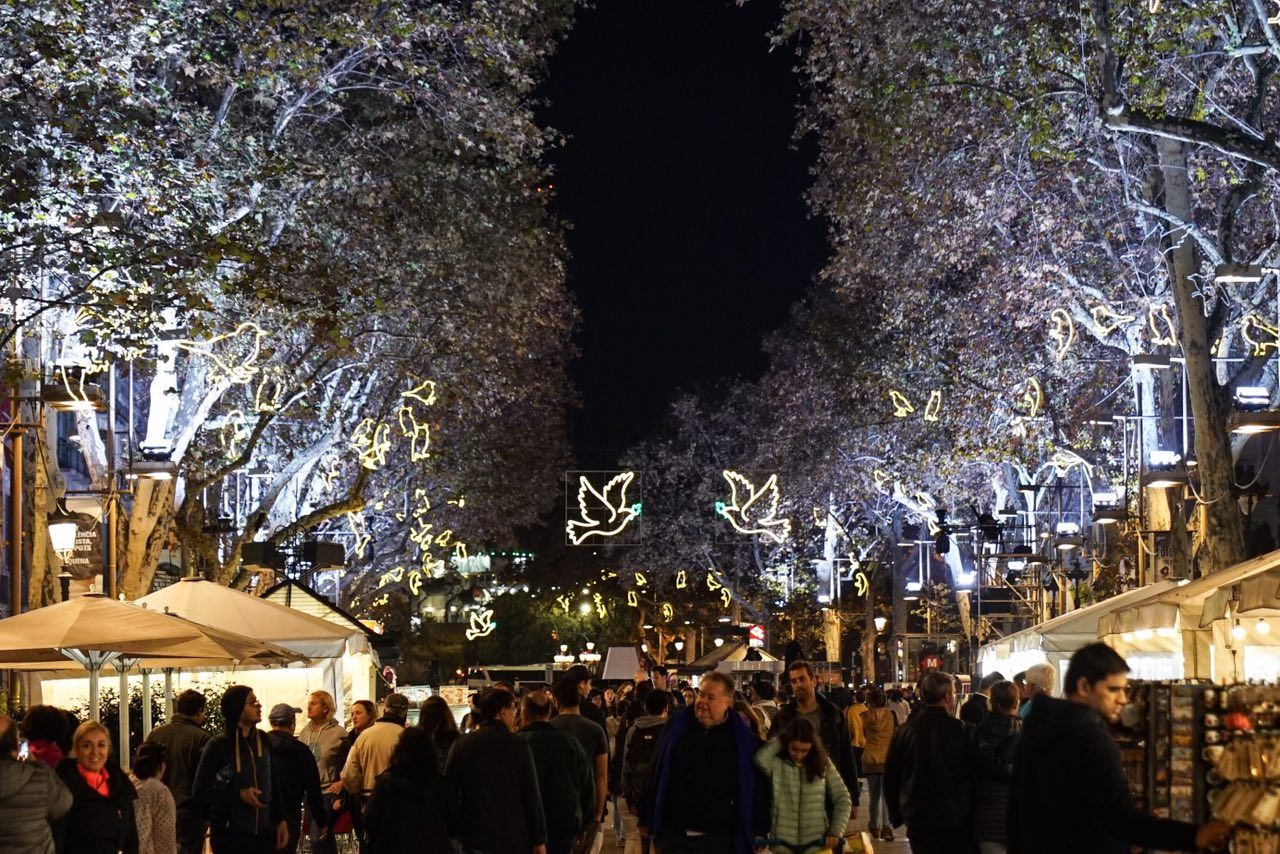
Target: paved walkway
(898, 846)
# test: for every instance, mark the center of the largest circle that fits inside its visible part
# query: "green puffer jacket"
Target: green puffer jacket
(799, 810)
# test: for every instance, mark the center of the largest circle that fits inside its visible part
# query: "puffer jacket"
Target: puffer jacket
(98, 825)
(877, 728)
(997, 741)
(31, 796)
(799, 806)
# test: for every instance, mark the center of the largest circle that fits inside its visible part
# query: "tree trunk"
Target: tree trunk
(144, 535)
(1224, 529)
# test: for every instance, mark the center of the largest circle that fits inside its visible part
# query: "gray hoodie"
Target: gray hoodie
(31, 796)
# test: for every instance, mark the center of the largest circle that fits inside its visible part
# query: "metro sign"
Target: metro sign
(755, 635)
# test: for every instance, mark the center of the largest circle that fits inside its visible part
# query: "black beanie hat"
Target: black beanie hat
(233, 705)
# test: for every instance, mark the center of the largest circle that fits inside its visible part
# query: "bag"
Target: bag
(640, 753)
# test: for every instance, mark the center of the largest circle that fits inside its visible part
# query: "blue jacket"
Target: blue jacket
(749, 780)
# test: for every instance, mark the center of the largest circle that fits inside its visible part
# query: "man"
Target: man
(977, 706)
(1067, 764)
(236, 782)
(371, 753)
(929, 773)
(566, 776)
(899, 706)
(184, 739)
(702, 792)
(296, 770)
(581, 677)
(492, 784)
(827, 721)
(572, 721)
(326, 739)
(31, 796)
(853, 722)
(766, 701)
(1041, 679)
(638, 750)
(1020, 680)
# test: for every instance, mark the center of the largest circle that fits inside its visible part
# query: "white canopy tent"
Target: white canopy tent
(1055, 641)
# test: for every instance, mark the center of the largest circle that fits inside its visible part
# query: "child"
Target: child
(804, 781)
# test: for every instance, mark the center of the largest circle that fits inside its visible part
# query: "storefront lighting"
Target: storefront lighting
(1108, 517)
(679, 646)
(1262, 627)
(1160, 457)
(1151, 361)
(1165, 479)
(1144, 634)
(1067, 529)
(1245, 274)
(1250, 423)
(719, 642)
(1237, 631)
(1068, 543)
(1167, 632)
(1127, 637)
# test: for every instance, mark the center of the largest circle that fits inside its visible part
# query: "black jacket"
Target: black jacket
(183, 741)
(1068, 765)
(997, 739)
(408, 812)
(97, 825)
(298, 777)
(834, 733)
(975, 709)
(493, 791)
(229, 764)
(928, 777)
(566, 779)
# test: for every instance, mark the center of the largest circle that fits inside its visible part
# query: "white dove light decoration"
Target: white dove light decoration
(608, 515)
(482, 624)
(754, 511)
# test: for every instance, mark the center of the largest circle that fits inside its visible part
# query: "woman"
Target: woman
(324, 737)
(752, 719)
(998, 736)
(408, 811)
(810, 805)
(878, 724)
(362, 717)
(436, 720)
(44, 727)
(101, 817)
(154, 812)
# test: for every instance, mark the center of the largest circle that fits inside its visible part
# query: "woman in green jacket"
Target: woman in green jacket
(810, 802)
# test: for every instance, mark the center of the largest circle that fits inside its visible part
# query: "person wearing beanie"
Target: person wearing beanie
(235, 782)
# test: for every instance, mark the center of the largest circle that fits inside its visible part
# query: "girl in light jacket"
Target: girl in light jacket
(804, 782)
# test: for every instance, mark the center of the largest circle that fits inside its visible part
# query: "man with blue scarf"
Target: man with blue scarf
(703, 790)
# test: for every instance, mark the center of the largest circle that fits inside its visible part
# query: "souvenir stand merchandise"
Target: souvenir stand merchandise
(1242, 758)
(1159, 735)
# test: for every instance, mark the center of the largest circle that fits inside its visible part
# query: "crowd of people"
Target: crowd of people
(551, 769)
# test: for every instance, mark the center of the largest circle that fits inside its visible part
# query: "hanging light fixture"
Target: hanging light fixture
(62, 531)
(880, 622)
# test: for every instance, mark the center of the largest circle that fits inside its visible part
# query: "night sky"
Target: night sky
(689, 232)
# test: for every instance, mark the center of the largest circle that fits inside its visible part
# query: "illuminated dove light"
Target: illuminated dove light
(641, 581)
(712, 584)
(601, 611)
(725, 597)
(482, 624)
(1062, 331)
(233, 432)
(563, 602)
(424, 394)
(371, 441)
(668, 613)
(415, 582)
(614, 513)
(901, 406)
(226, 366)
(361, 536)
(633, 601)
(1033, 397)
(1260, 334)
(934, 406)
(752, 511)
(860, 583)
(682, 580)
(882, 479)
(1163, 333)
(417, 432)
(1108, 321)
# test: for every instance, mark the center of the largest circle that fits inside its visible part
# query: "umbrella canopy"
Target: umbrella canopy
(732, 651)
(95, 624)
(216, 605)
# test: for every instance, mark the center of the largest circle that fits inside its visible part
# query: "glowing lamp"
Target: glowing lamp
(1262, 627)
(880, 623)
(62, 532)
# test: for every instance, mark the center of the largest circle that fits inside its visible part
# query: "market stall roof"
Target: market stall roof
(1199, 603)
(1072, 630)
(736, 650)
(300, 597)
(211, 604)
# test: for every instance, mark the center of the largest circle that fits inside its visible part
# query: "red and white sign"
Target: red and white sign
(755, 635)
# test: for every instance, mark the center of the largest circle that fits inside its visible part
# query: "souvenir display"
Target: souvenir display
(1241, 754)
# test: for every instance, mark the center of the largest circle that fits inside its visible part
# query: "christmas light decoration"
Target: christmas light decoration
(1260, 334)
(668, 613)
(861, 583)
(226, 366)
(361, 536)
(712, 583)
(482, 624)
(1062, 331)
(417, 432)
(233, 432)
(682, 580)
(901, 406)
(424, 393)
(1108, 321)
(1033, 397)
(882, 479)
(371, 441)
(564, 602)
(269, 394)
(752, 511)
(415, 582)
(633, 601)
(1163, 333)
(614, 513)
(934, 406)
(725, 597)
(641, 581)
(601, 611)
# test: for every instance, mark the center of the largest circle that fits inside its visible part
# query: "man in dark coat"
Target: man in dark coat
(704, 791)
(296, 772)
(31, 796)
(1068, 765)
(929, 773)
(236, 782)
(184, 739)
(828, 721)
(979, 703)
(492, 784)
(566, 777)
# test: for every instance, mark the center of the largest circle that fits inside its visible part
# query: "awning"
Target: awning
(1068, 632)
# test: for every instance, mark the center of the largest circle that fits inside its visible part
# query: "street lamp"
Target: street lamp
(62, 531)
(563, 658)
(880, 622)
(1245, 274)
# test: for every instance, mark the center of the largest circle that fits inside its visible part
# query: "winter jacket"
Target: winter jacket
(877, 728)
(94, 824)
(371, 754)
(408, 812)
(297, 776)
(853, 722)
(493, 791)
(635, 768)
(928, 776)
(1067, 764)
(799, 806)
(154, 814)
(997, 738)
(655, 810)
(184, 742)
(566, 779)
(975, 709)
(835, 738)
(31, 796)
(326, 747)
(231, 763)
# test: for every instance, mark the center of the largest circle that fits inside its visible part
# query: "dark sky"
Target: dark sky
(690, 237)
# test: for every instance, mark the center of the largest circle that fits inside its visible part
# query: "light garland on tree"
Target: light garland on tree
(226, 368)
(1257, 331)
(371, 441)
(752, 511)
(614, 511)
(482, 624)
(1161, 325)
(901, 406)
(1108, 321)
(1062, 331)
(934, 406)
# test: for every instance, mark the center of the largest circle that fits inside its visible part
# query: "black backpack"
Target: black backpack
(640, 753)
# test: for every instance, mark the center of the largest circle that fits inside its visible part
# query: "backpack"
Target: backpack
(640, 753)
